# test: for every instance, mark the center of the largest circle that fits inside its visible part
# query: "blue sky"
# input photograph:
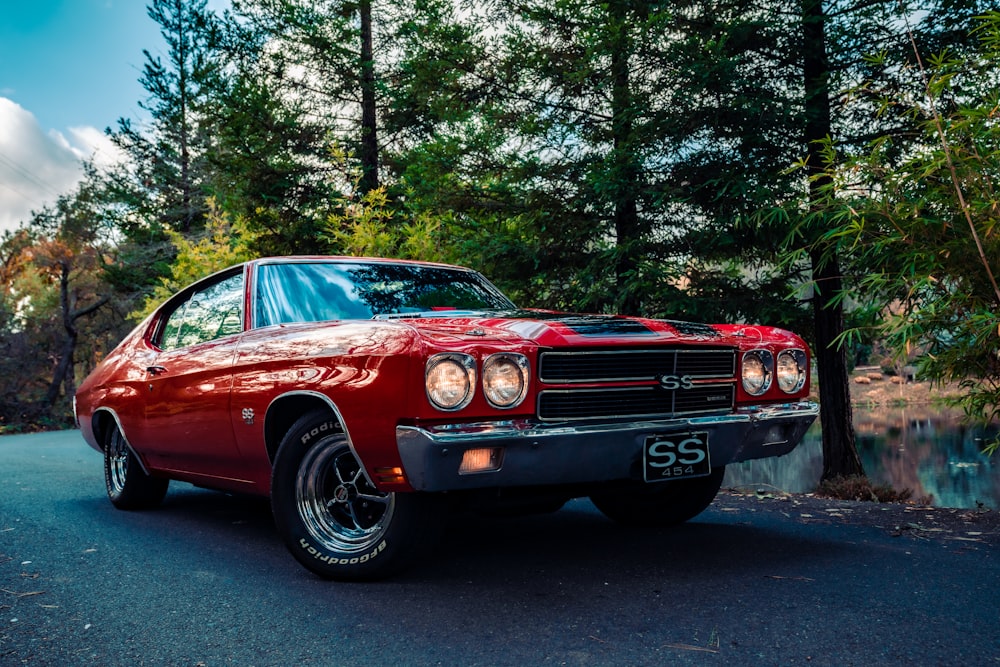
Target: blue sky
(75, 62)
(68, 70)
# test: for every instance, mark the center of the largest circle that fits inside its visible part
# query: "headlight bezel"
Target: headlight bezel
(800, 360)
(517, 361)
(763, 361)
(443, 362)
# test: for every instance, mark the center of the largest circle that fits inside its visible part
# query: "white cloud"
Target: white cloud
(36, 167)
(89, 143)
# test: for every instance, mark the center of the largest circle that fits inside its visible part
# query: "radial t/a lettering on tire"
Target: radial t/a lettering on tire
(330, 515)
(128, 485)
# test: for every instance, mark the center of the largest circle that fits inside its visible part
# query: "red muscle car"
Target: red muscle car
(367, 397)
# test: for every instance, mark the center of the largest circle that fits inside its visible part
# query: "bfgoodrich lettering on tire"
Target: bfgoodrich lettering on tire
(331, 517)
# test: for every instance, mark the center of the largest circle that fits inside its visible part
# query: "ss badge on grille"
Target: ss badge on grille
(676, 382)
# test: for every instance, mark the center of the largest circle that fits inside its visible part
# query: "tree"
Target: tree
(840, 455)
(61, 265)
(830, 49)
(325, 55)
(586, 89)
(17, 387)
(224, 243)
(169, 156)
(919, 222)
(54, 296)
(270, 166)
(641, 140)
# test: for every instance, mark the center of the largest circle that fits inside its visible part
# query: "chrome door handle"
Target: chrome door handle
(155, 370)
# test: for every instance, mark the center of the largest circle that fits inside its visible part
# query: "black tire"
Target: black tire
(659, 503)
(331, 517)
(128, 485)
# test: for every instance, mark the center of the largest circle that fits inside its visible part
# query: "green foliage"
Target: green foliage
(224, 243)
(269, 162)
(920, 226)
(372, 228)
(55, 309)
(586, 156)
(168, 159)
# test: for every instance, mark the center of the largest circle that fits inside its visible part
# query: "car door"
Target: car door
(187, 421)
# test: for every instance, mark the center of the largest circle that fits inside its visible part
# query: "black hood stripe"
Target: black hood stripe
(609, 325)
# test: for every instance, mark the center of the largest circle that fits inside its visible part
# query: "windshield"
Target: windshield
(319, 291)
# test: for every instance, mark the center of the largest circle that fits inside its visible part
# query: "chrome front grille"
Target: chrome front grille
(635, 365)
(709, 383)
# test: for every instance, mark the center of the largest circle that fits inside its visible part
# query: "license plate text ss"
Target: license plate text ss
(676, 456)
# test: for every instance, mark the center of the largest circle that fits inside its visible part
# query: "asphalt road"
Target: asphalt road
(205, 581)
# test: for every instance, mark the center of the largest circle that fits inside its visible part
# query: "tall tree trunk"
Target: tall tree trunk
(369, 129)
(840, 455)
(625, 172)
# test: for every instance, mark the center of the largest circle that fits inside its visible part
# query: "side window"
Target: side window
(211, 313)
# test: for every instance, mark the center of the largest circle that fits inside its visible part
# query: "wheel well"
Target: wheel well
(283, 413)
(99, 423)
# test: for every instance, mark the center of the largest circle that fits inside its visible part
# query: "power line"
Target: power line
(23, 172)
(28, 198)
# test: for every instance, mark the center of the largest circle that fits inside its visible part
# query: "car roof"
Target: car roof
(347, 259)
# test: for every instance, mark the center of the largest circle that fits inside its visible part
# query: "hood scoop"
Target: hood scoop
(600, 325)
(597, 326)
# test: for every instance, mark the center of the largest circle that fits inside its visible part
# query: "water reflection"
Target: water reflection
(925, 449)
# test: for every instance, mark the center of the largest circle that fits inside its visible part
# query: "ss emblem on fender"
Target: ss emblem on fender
(676, 382)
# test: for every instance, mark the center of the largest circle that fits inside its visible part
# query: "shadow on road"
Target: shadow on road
(576, 543)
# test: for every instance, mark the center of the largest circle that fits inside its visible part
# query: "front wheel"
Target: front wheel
(128, 485)
(659, 503)
(332, 518)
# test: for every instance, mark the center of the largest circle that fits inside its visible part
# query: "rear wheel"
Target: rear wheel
(128, 485)
(659, 503)
(333, 519)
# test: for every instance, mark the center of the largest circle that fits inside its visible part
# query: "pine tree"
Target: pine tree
(168, 157)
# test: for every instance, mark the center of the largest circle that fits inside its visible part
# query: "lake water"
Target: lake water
(924, 449)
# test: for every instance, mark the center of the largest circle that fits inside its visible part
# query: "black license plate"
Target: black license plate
(676, 456)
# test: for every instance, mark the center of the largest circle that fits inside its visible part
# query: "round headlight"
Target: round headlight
(757, 372)
(505, 379)
(449, 380)
(791, 370)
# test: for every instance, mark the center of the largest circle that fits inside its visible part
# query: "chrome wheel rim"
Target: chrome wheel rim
(339, 507)
(117, 455)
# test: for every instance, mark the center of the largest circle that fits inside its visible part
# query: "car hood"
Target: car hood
(555, 329)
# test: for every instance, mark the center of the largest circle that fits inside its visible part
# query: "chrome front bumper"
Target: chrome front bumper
(543, 454)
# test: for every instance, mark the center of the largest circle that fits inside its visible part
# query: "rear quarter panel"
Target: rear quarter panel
(116, 386)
